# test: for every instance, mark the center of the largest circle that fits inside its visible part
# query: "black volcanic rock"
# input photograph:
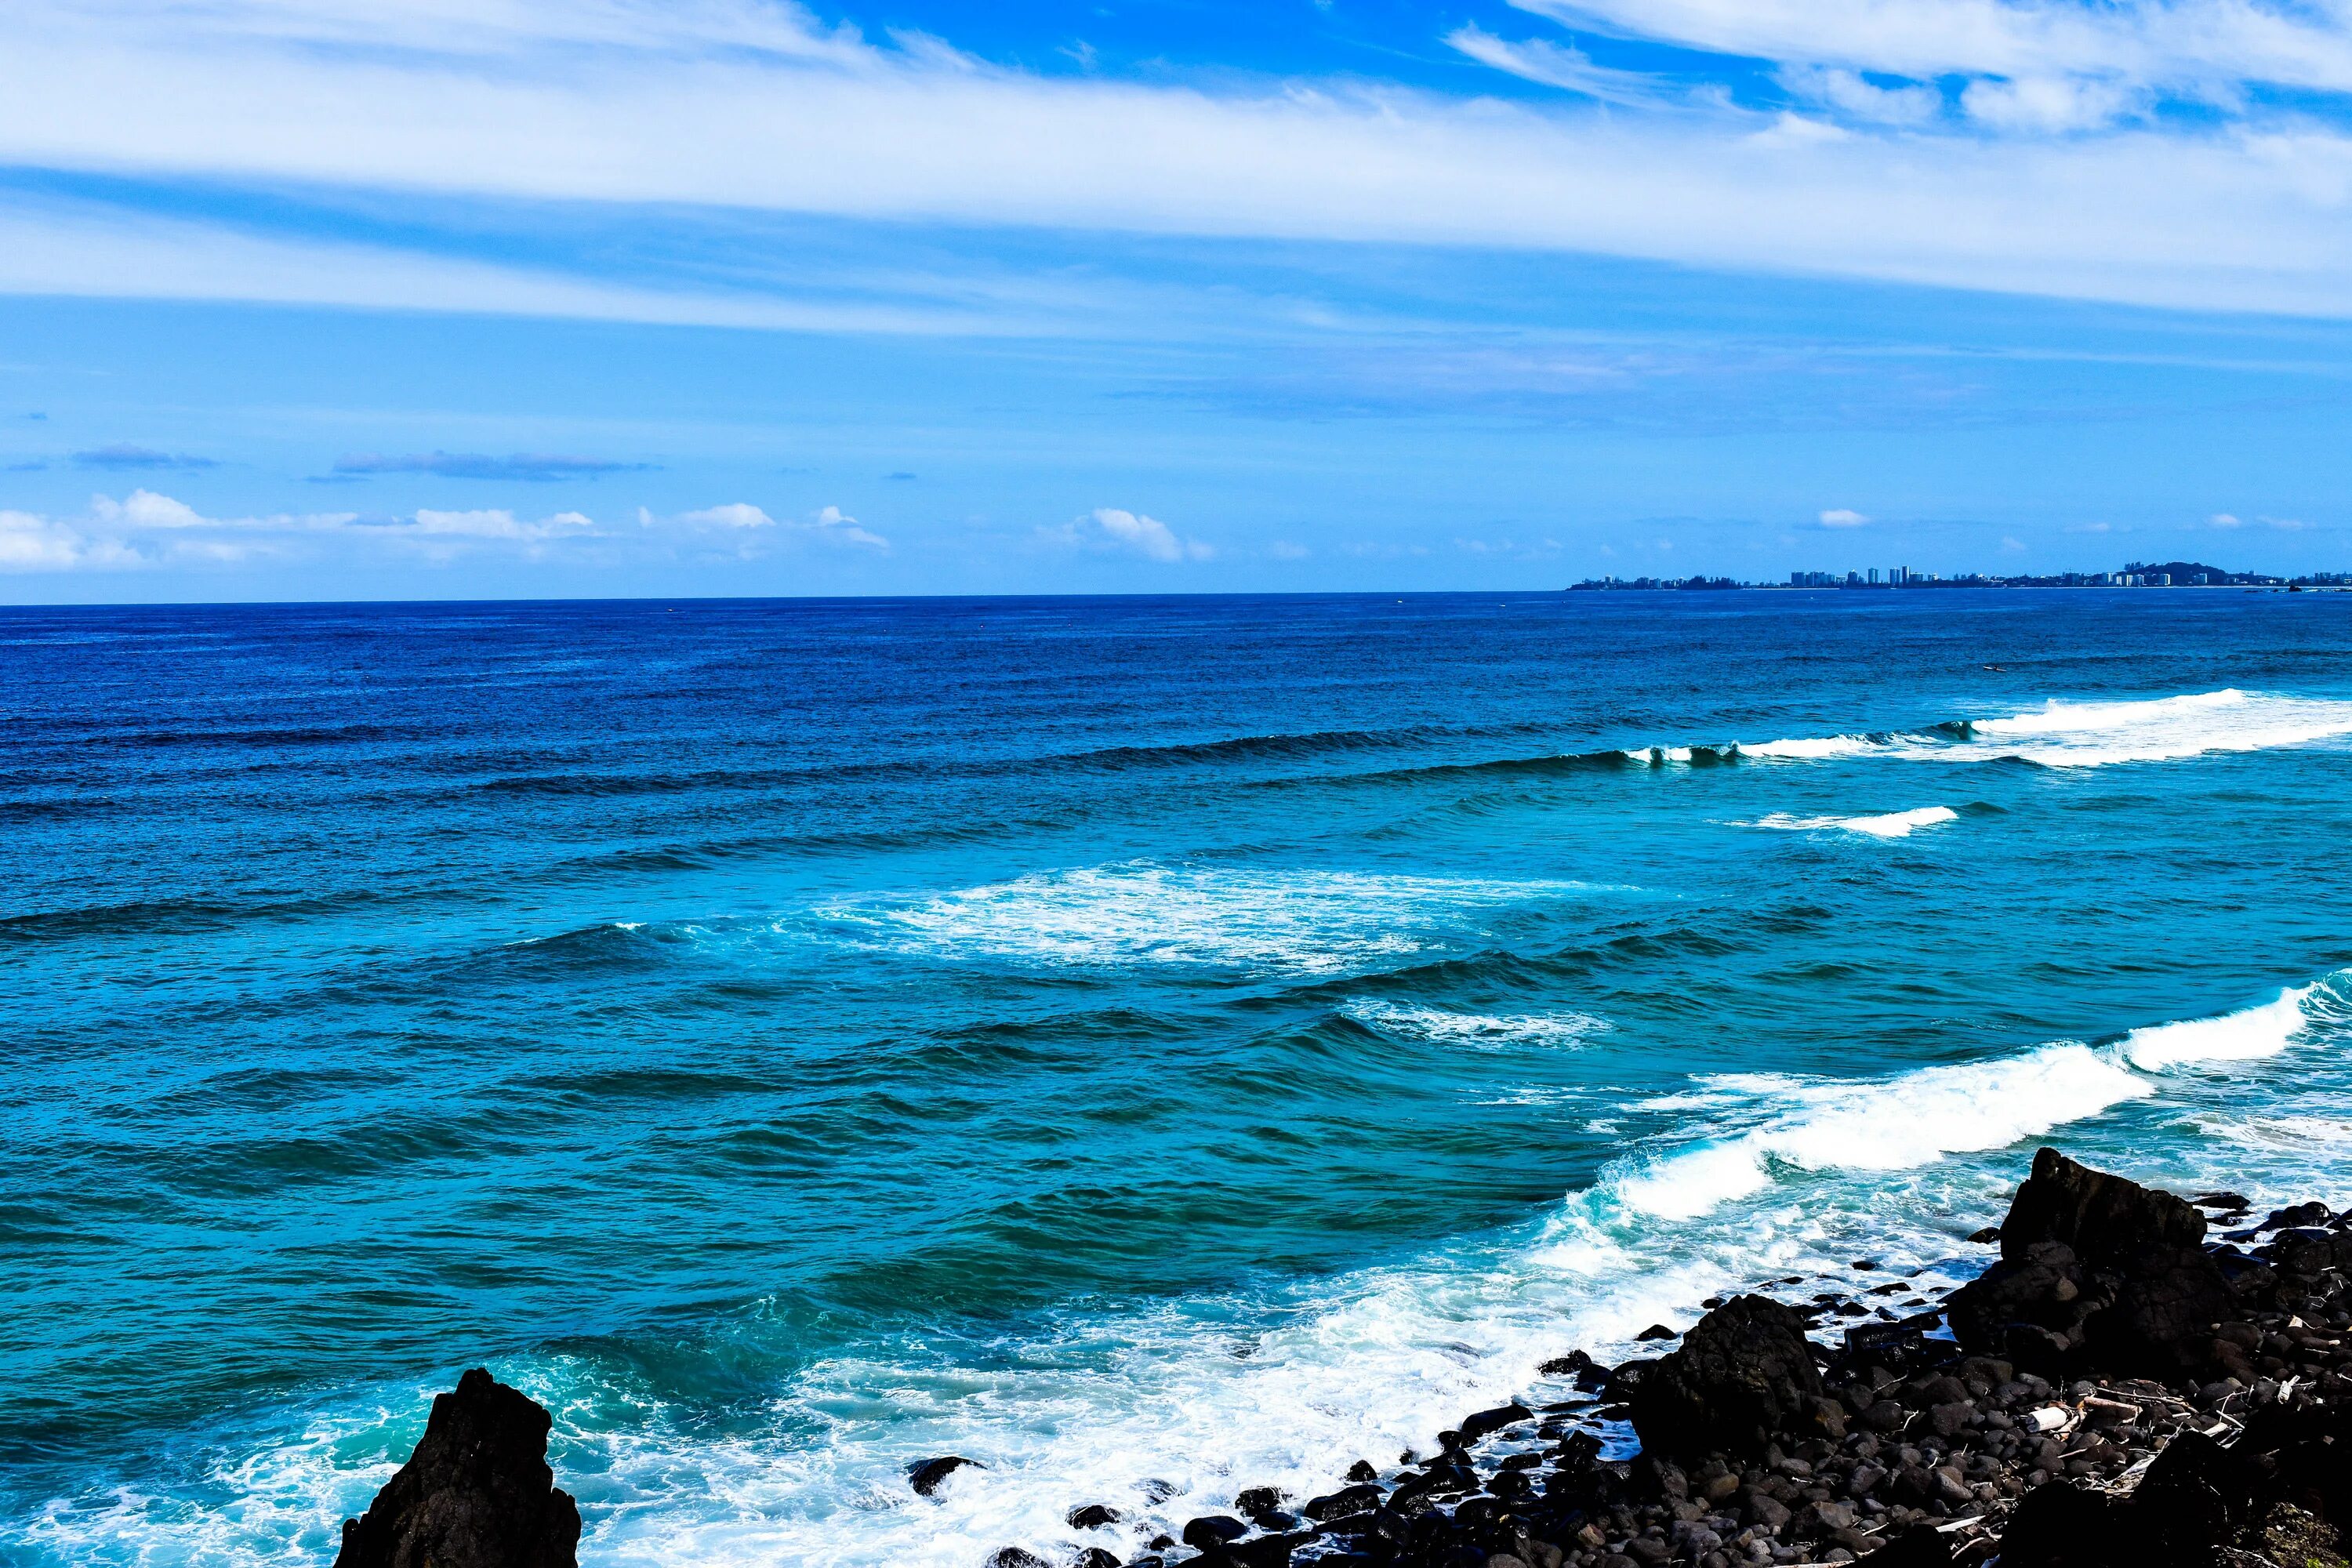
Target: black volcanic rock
(2096, 1271)
(2106, 1220)
(476, 1493)
(1487, 1423)
(925, 1477)
(1744, 1375)
(1213, 1531)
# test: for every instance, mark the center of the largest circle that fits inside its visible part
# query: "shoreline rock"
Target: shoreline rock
(476, 1493)
(2119, 1390)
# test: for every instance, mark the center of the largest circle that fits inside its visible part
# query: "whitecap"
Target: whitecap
(1142, 913)
(2071, 734)
(1479, 1031)
(2244, 1035)
(1814, 749)
(1887, 825)
(1884, 1124)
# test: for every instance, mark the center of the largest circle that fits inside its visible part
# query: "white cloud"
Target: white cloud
(30, 544)
(145, 529)
(67, 248)
(1840, 517)
(2223, 519)
(832, 524)
(2176, 42)
(2048, 104)
(734, 514)
(145, 508)
(1113, 527)
(740, 105)
(1912, 104)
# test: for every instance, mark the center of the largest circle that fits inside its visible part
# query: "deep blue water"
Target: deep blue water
(1193, 1041)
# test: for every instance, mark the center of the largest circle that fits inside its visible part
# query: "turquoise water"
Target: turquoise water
(1192, 1042)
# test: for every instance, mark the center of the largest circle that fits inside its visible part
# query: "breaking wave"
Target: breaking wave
(1890, 824)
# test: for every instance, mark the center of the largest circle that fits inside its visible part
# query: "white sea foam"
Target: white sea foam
(2246, 1036)
(1883, 1125)
(2062, 734)
(1143, 913)
(1889, 825)
(1478, 1030)
(1814, 749)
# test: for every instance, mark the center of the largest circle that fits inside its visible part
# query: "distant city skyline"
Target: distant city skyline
(358, 299)
(2132, 575)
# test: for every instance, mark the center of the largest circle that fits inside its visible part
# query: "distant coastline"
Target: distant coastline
(2134, 575)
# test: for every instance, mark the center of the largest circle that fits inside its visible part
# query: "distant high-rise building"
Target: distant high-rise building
(1899, 575)
(1874, 576)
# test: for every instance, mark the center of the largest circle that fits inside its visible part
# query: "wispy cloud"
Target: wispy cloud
(2192, 45)
(122, 455)
(532, 467)
(1562, 65)
(2045, 176)
(1843, 517)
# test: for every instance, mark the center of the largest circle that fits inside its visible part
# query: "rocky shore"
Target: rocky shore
(2119, 1387)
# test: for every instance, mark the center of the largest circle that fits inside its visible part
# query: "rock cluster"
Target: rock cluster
(476, 1493)
(2117, 1391)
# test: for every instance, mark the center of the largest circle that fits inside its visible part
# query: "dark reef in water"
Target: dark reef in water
(2117, 1390)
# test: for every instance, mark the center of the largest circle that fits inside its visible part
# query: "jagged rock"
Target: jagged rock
(1744, 1374)
(1014, 1557)
(476, 1493)
(1096, 1557)
(1093, 1516)
(2096, 1270)
(925, 1477)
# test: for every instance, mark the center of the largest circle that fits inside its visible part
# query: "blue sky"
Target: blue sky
(358, 299)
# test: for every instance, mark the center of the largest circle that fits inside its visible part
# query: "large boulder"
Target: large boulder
(2106, 1220)
(2096, 1273)
(476, 1493)
(1743, 1376)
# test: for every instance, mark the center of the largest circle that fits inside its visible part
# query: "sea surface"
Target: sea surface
(1148, 1046)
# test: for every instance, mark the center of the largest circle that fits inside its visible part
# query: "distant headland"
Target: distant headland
(2136, 574)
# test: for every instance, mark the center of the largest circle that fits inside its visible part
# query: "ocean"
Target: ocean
(1148, 1046)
